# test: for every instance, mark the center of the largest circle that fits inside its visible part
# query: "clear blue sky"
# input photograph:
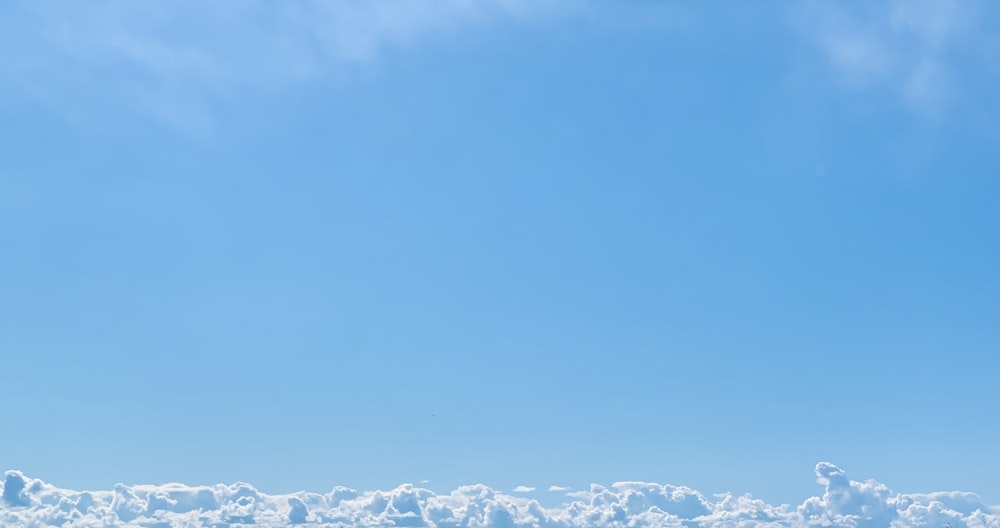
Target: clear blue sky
(503, 242)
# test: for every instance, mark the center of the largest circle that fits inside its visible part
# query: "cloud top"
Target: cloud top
(844, 503)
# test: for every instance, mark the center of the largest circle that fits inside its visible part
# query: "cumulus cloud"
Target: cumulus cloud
(558, 488)
(13, 489)
(523, 489)
(844, 503)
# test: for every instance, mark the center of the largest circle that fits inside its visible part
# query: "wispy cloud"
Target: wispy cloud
(31, 502)
(177, 60)
(523, 489)
(907, 46)
(558, 488)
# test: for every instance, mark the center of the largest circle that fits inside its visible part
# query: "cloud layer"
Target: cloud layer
(845, 503)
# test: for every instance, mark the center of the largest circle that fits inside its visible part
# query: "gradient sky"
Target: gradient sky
(516, 243)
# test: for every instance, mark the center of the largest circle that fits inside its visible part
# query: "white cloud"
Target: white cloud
(523, 489)
(558, 488)
(844, 503)
(182, 62)
(906, 46)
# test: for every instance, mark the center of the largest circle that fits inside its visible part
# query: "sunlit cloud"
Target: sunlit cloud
(844, 503)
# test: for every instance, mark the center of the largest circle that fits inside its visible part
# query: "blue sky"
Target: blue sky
(505, 242)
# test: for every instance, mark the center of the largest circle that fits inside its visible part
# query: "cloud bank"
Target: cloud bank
(846, 503)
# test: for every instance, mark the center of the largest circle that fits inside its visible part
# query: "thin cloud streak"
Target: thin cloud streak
(905, 46)
(181, 62)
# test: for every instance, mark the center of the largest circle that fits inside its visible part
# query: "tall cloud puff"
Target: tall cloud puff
(844, 503)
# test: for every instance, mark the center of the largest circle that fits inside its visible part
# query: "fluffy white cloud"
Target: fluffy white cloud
(523, 489)
(844, 503)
